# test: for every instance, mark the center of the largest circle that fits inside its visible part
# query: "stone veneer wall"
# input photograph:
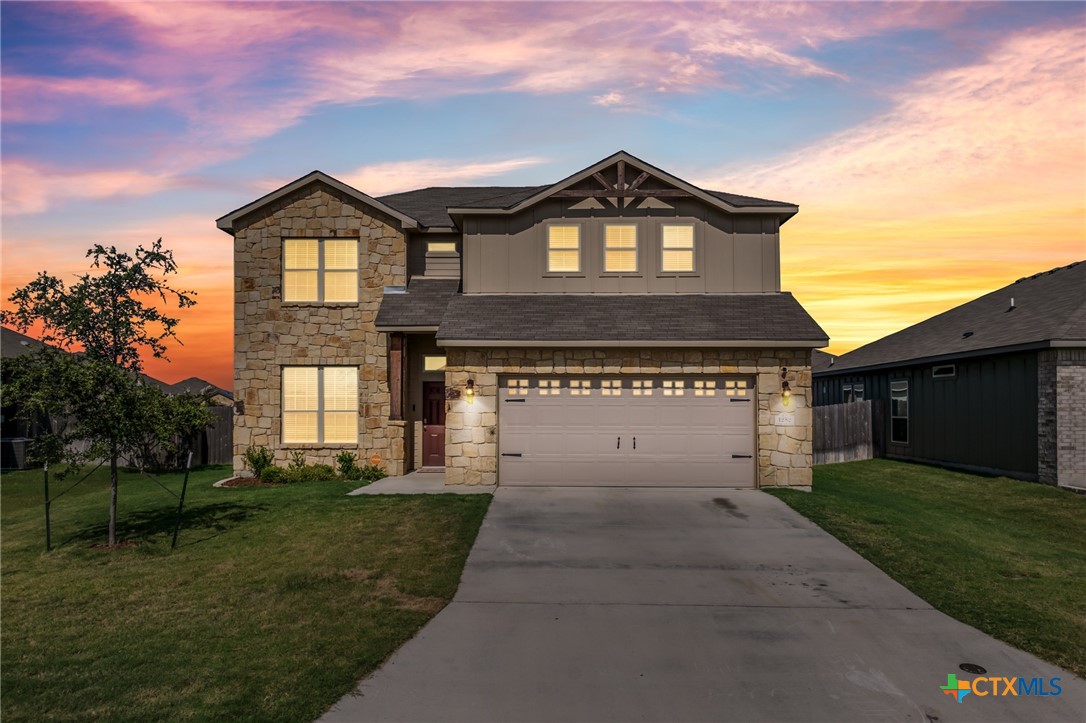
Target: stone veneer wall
(1061, 417)
(471, 430)
(269, 333)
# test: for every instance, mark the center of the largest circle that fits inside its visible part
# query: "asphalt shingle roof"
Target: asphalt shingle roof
(1049, 306)
(627, 317)
(423, 304)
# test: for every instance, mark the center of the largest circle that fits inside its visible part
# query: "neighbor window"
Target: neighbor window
(433, 363)
(676, 248)
(320, 405)
(899, 411)
(620, 248)
(320, 270)
(563, 249)
(946, 371)
(857, 392)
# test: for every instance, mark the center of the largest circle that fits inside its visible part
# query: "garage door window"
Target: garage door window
(549, 387)
(642, 387)
(736, 387)
(673, 387)
(611, 388)
(580, 387)
(517, 387)
(704, 388)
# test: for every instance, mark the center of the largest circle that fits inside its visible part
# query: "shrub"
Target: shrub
(348, 465)
(371, 473)
(309, 473)
(297, 459)
(273, 475)
(258, 459)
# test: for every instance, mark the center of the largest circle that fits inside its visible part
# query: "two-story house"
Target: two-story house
(619, 327)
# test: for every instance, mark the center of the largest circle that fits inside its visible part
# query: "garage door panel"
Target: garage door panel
(575, 434)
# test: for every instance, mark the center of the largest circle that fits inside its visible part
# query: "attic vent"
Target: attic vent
(967, 334)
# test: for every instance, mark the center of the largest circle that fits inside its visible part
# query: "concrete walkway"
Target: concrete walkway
(685, 605)
(420, 483)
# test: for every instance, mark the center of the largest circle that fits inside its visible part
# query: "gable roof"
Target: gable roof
(628, 320)
(226, 223)
(1049, 310)
(732, 203)
(13, 344)
(821, 361)
(434, 207)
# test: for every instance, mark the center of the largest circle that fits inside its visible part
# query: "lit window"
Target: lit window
(611, 388)
(320, 270)
(736, 387)
(320, 405)
(620, 248)
(899, 411)
(642, 387)
(677, 248)
(580, 387)
(433, 363)
(549, 387)
(517, 387)
(563, 249)
(441, 247)
(704, 388)
(673, 388)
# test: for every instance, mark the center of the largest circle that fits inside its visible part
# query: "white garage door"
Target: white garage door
(633, 431)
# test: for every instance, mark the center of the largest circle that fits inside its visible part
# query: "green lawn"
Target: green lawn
(1006, 557)
(275, 603)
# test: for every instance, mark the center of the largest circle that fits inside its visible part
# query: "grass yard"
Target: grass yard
(275, 603)
(1006, 557)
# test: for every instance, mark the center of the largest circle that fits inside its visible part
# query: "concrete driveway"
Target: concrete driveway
(582, 604)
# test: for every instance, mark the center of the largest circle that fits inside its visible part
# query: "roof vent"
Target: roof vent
(832, 360)
(1012, 306)
(967, 334)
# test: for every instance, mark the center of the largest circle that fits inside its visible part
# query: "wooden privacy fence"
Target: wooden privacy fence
(843, 432)
(216, 443)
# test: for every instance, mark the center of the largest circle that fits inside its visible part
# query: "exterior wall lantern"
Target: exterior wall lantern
(786, 389)
(469, 392)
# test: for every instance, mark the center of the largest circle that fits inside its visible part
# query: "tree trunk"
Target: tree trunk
(113, 496)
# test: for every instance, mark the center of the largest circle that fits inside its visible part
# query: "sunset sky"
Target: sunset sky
(936, 151)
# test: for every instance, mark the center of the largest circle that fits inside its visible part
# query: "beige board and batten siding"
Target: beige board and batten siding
(734, 254)
(270, 334)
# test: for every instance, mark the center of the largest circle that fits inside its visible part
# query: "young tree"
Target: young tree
(100, 406)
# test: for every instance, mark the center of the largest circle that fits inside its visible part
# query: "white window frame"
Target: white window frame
(952, 374)
(636, 271)
(321, 410)
(898, 386)
(321, 270)
(547, 249)
(693, 271)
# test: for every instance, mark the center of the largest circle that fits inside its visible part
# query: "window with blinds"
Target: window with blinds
(620, 248)
(563, 249)
(320, 270)
(676, 248)
(320, 405)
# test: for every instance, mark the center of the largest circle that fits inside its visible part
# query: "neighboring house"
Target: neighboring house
(619, 327)
(15, 431)
(196, 385)
(996, 385)
(821, 361)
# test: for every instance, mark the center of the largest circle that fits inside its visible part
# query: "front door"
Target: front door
(433, 424)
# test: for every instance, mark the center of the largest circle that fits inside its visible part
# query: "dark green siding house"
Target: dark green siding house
(996, 385)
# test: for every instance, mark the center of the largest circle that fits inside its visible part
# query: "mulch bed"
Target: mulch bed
(250, 482)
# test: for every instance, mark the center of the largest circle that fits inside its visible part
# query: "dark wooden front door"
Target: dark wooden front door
(433, 424)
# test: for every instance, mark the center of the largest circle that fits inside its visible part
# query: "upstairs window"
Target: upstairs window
(676, 248)
(563, 249)
(441, 247)
(620, 248)
(320, 270)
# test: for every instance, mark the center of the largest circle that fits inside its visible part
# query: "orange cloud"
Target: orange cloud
(975, 177)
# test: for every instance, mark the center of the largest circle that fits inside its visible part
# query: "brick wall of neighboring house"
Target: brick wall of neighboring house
(784, 453)
(1061, 417)
(269, 334)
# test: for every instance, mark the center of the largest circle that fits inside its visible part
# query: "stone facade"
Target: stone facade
(269, 334)
(1061, 417)
(784, 452)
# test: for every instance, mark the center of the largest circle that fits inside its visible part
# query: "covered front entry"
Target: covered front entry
(695, 431)
(433, 424)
